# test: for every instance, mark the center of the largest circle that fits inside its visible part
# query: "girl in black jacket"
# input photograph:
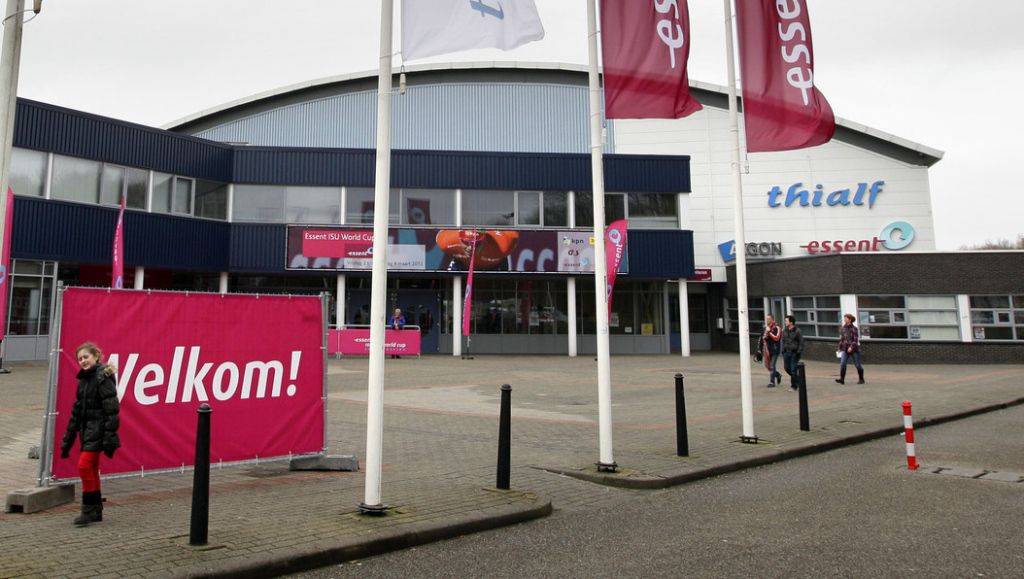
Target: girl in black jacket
(94, 420)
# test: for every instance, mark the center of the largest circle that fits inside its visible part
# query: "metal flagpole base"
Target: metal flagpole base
(375, 510)
(748, 439)
(4, 371)
(607, 467)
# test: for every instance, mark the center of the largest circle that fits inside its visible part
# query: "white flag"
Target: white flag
(431, 27)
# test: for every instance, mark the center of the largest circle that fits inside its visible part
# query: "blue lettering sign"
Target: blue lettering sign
(799, 195)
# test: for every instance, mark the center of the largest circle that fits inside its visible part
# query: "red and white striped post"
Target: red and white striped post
(908, 428)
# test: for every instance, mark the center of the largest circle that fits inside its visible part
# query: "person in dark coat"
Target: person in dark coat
(849, 349)
(792, 348)
(771, 335)
(94, 421)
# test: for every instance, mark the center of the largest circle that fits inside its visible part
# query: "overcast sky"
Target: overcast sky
(942, 73)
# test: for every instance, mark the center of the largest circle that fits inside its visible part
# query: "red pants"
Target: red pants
(89, 470)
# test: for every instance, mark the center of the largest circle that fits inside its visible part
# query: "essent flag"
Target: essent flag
(645, 46)
(5, 261)
(117, 276)
(614, 249)
(432, 27)
(782, 107)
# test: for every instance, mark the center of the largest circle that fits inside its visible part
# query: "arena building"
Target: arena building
(246, 197)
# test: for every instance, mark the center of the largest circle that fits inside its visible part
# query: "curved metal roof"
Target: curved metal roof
(565, 76)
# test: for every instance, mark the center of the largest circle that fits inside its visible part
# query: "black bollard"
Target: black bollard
(505, 438)
(682, 440)
(801, 380)
(199, 527)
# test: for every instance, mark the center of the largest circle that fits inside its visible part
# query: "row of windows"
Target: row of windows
(53, 176)
(900, 317)
(39, 174)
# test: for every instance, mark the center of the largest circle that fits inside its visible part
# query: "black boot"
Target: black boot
(860, 375)
(92, 508)
(842, 376)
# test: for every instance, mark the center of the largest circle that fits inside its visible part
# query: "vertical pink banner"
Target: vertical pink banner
(614, 248)
(117, 269)
(645, 46)
(5, 261)
(782, 107)
(467, 303)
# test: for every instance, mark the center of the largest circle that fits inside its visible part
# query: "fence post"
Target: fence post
(505, 439)
(199, 526)
(682, 440)
(805, 419)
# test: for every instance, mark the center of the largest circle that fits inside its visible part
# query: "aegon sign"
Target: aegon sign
(754, 249)
(800, 195)
(894, 237)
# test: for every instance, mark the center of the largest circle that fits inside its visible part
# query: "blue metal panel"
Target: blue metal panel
(460, 169)
(76, 232)
(258, 248)
(50, 128)
(660, 254)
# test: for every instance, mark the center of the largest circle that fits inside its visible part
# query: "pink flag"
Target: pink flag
(645, 46)
(614, 249)
(782, 108)
(117, 278)
(467, 304)
(5, 261)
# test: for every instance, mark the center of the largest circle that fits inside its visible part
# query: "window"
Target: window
(818, 315)
(997, 317)
(528, 208)
(28, 172)
(256, 203)
(653, 210)
(914, 317)
(488, 208)
(359, 206)
(555, 209)
(182, 202)
(522, 307)
(644, 210)
(31, 290)
(75, 179)
(211, 200)
(637, 308)
(427, 206)
(117, 182)
(162, 192)
(755, 315)
(312, 204)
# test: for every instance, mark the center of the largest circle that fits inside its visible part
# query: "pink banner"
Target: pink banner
(5, 261)
(117, 277)
(782, 108)
(472, 237)
(356, 342)
(645, 46)
(614, 250)
(256, 360)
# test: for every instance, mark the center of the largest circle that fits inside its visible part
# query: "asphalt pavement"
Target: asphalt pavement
(440, 436)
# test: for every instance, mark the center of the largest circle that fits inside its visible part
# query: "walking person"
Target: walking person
(772, 335)
(792, 347)
(94, 421)
(849, 349)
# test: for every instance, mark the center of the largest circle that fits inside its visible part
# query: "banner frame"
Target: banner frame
(47, 436)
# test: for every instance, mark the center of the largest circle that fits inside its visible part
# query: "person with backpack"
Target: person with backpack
(792, 347)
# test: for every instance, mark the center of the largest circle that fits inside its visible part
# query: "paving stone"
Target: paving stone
(962, 472)
(1012, 477)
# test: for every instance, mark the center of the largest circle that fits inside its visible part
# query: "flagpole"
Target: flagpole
(378, 286)
(604, 387)
(746, 390)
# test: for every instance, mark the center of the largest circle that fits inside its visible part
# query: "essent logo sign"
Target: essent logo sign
(893, 237)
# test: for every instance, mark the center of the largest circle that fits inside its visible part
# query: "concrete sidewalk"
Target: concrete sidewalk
(440, 451)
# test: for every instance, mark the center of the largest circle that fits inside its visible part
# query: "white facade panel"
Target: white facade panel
(832, 214)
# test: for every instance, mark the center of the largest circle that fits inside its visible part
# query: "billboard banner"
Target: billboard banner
(444, 250)
(356, 342)
(256, 360)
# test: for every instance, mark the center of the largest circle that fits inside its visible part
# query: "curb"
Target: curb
(314, 556)
(647, 482)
